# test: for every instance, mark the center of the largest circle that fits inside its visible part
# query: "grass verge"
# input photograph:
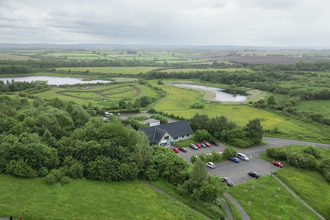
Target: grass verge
(171, 190)
(234, 211)
(284, 208)
(86, 200)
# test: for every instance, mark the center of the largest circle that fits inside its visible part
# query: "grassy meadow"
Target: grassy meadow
(208, 69)
(257, 211)
(86, 200)
(315, 106)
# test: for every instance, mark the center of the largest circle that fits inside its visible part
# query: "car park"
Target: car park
(277, 163)
(198, 145)
(215, 142)
(210, 165)
(193, 146)
(254, 174)
(202, 144)
(234, 159)
(176, 150)
(182, 149)
(242, 157)
(206, 143)
(228, 181)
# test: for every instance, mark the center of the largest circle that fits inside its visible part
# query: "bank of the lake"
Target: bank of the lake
(52, 80)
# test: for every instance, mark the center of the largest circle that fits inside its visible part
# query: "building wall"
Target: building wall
(185, 137)
(165, 135)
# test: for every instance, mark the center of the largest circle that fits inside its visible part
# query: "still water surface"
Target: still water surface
(52, 80)
(220, 94)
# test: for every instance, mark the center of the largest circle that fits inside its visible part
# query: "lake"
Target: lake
(222, 95)
(52, 80)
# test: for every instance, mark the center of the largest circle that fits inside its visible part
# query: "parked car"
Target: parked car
(198, 145)
(118, 114)
(202, 144)
(221, 151)
(242, 157)
(234, 159)
(208, 154)
(193, 146)
(254, 174)
(206, 143)
(215, 142)
(176, 150)
(183, 149)
(210, 165)
(278, 164)
(228, 181)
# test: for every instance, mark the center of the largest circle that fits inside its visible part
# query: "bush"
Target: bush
(312, 150)
(229, 152)
(43, 172)
(214, 157)
(278, 153)
(240, 143)
(151, 173)
(202, 135)
(302, 160)
(20, 169)
(197, 105)
(51, 179)
(65, 180)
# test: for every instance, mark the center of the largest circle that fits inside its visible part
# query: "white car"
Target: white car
(242, 157)
(210, 165)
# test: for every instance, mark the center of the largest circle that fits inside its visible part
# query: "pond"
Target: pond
(52, 80)
(222, 95)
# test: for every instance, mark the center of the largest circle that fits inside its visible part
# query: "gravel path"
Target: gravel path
(238, 206)
(155, 188)
(299, 198)
(159, 101)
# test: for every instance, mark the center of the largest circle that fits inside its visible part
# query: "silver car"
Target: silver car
(210, 165)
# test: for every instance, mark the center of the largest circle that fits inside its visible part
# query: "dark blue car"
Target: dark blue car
(234, 159)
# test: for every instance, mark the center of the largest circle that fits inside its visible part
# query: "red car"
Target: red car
(278, 164)
(198, 145)
(206, 143)
(176, 150)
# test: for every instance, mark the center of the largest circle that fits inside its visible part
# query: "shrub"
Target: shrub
(51, 179)
(197, 105)
(20, 169)
(279, 153)
(202, 135)
(151, 173)
(229, 152)
(312, 150)
(303, 160)
(43, 172)
(65, 180)
(240, 143)
(193, 158)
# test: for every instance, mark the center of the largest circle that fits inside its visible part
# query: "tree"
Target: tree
(271, 101)
(254, 131)
(122, 104)
(202, 135)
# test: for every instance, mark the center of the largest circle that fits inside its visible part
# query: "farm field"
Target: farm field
(242, 114)
(315, 106)
(257, 210)
(86, 200)
(123, 70)
(5, 56)
(208, 69)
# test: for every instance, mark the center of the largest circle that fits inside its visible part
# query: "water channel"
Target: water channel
(52, 80)
(222, 95)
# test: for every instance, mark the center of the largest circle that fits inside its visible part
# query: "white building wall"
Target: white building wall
(185, 137)
(154, 124)
(163, 139)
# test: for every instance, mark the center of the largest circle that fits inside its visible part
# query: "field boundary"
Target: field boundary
(159, 101)
(164, 193)
(295, 195)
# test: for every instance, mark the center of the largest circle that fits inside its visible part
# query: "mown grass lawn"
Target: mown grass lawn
(86, 200)
(257, 211)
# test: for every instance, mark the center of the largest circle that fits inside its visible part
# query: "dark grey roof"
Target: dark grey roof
(175, 129)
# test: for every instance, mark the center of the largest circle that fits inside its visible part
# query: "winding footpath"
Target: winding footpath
(159, 101)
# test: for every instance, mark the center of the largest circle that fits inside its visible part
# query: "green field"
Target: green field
(5, 56)
(315, 107)
(257, 211)
(309, 186)
(100, 95)
(123, 70)
(86, 200)
(208, 69)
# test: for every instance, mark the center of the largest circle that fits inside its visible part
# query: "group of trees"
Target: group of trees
(229, 132)
(309, 157)
(14, 86)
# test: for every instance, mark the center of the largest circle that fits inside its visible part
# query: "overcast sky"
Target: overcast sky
(163, 22)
